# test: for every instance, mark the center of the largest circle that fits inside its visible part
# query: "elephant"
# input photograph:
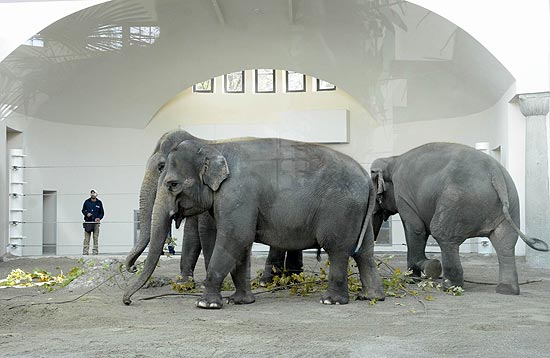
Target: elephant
(286, 194)
(199, 231)
(452, 192)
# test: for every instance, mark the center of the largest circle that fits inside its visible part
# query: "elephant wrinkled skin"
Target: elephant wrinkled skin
(199, 231)
(452, 192)
(285, 194)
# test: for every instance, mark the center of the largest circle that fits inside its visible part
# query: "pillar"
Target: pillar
(4, 189)
(537, 199)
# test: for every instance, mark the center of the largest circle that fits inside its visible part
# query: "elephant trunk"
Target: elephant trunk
(377, 220)
(147, 197)
(160, 224)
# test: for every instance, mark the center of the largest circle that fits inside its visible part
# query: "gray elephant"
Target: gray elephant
(200, 231)
(452, 192)
(285, 194)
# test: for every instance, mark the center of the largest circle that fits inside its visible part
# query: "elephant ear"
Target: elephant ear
(214, 169)
(378, 177)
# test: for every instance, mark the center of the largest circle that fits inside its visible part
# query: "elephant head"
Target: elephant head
(381, 175)
(148, 192)
(193, 172)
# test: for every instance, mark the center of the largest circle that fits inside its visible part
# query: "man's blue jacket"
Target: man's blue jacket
(93, 207)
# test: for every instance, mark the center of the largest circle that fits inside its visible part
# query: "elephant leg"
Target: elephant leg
(233, 241)
(368, 270)
(504, 240)
(207, 234)
(241, 279)
(337, 292)
(417, 237)
(190, 248)
(294, 263)
(453, 274)
(274, 265)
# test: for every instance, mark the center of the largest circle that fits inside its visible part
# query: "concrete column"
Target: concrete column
(537, 199)
(4, 189)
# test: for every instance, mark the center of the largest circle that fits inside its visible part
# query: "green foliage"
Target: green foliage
(455, 290)
(181, 286)
(170, 241)
(227, 285)
(20, 278)
(397, 284)
(72, 275)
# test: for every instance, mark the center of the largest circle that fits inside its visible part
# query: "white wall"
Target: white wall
(73, 159)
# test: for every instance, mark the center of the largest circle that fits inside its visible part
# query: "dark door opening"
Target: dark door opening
(49, 222)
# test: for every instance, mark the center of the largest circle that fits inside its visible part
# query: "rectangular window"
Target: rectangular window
(35, 41)
(265, 81)
(234, 82)
(295, 82)
(105, 38)
(144, 35)
(204, 87)
(325, 86)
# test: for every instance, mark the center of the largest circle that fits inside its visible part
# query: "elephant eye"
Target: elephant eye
(161, 166)
(173, 185)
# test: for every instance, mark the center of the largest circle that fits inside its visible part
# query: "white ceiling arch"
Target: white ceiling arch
(399, 60)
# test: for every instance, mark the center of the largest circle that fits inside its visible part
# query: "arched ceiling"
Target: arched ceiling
(401, 61)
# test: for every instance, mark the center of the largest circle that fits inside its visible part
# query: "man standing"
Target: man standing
(93, 213)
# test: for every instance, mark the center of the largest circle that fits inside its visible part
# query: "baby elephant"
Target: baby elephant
(452, 192)
(289, 195)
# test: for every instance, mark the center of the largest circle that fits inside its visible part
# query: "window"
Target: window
(105, 38)
(325, 86)
(144, 35)
(234, 82)
(35, 41)
(295, 82)
(204, 87)
(265, 81)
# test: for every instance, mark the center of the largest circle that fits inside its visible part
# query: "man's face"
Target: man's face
(93, 194)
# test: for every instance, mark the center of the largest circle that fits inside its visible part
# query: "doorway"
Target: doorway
(49, 222)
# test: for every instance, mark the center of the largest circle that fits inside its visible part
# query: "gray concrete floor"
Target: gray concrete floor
(480, 323)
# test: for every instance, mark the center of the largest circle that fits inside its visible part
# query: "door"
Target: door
(49, 222)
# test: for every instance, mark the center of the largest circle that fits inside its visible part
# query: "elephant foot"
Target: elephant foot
(507, 289)
(432, 268)
(241, 299)
(448, 283)
(210, 301)
(334, 299)
(377, 295)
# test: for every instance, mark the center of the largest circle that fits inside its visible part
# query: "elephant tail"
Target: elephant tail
(497, 179)
(368, 217)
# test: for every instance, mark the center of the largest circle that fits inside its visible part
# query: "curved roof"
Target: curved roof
(115, 64)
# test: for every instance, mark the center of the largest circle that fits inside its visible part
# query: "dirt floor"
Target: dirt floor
(480, 323)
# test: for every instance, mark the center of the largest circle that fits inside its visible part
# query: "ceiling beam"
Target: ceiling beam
(219, 13)
(291, 11)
